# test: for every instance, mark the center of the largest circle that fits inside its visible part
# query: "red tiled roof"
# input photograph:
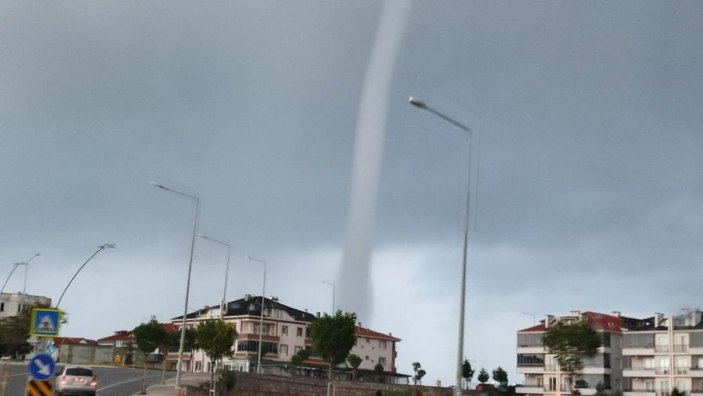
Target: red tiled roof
(368, 333)
(604, 322)
(121, 335)
(596, 320)
(124, 335)
(539, 327)
(58, 341)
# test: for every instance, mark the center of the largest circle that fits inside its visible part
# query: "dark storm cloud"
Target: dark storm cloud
(590, 139)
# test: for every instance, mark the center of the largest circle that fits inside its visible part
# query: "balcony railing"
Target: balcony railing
(681, 370)
(661, 348)
(680, 348)
(663, 370)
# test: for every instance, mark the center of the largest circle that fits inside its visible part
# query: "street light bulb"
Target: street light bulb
(417, 102)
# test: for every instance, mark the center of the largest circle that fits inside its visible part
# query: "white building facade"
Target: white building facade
(283, 332)
(543, 375)
(664, 353)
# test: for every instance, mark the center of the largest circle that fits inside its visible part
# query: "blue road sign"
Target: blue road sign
(41, 367)
(45, 322)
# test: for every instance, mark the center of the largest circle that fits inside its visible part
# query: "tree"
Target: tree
(148, 337)
(467, 373)
(676, 392)
(300, 356)
(501, 377)
(571, 343)
(171, 340)
(216, 338)
(333, 337)
(419, 373)
(483, 376)
(354, 362)
(15, 332)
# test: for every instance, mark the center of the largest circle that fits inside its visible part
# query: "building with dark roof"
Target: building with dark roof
(283, 331)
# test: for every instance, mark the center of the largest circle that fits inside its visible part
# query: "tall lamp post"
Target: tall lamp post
(261, 319)
(100, 249)
(25, 263)
(333, 293)
(181, 346)
(462, 302)
(224, 293)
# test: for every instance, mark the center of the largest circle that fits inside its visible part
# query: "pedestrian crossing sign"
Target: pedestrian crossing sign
(45, 322)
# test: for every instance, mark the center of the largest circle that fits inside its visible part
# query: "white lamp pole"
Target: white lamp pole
(333, 293)
(261, 319)
(223, 303)
(462, 302)
(26, 264)
(179, 365)
(100, 248)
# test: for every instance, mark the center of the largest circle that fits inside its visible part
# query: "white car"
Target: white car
(75, 380)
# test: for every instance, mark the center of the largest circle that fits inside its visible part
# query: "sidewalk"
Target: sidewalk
(169, 389)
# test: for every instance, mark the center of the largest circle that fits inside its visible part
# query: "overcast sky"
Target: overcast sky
(587, 160)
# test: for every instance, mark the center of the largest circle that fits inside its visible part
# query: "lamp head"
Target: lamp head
(417, 102)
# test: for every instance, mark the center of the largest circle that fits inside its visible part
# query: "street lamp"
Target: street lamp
(179, 365)
(100, 248)
(261, 319)
(224, 293)
(462, 302)
(26, 263)
(333, 292)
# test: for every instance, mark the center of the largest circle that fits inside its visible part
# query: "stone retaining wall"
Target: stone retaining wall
(250, 384)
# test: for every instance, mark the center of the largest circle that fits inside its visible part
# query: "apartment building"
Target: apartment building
(12, 304)
(374, 348)
(662, 353)
(283, 331)
(543, 375)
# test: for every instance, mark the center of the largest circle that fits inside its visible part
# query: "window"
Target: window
(284, 349)
(528, 340)
(2, 307)
(530, 359)
(382, 361)
(552, 384)
(298, 349)
(284, 330)
(299, 331)
(383, 344)
(264, 330)
(664, 386)
(368, 341)
(638, 341)
(681, 385)
(367, 357)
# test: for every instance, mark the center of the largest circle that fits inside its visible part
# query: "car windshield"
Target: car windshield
(79, 372)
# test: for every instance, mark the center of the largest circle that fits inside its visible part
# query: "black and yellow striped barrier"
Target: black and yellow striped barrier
(39, 388)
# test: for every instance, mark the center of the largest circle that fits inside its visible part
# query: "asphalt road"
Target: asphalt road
(112, 381)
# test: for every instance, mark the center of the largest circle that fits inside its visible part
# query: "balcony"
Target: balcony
(663, 371)
(638, 351)
(529, 389)
(638, 372)
(662, 349)
(638, 392)
(680, 348)
(530, 369)
(696, 372)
